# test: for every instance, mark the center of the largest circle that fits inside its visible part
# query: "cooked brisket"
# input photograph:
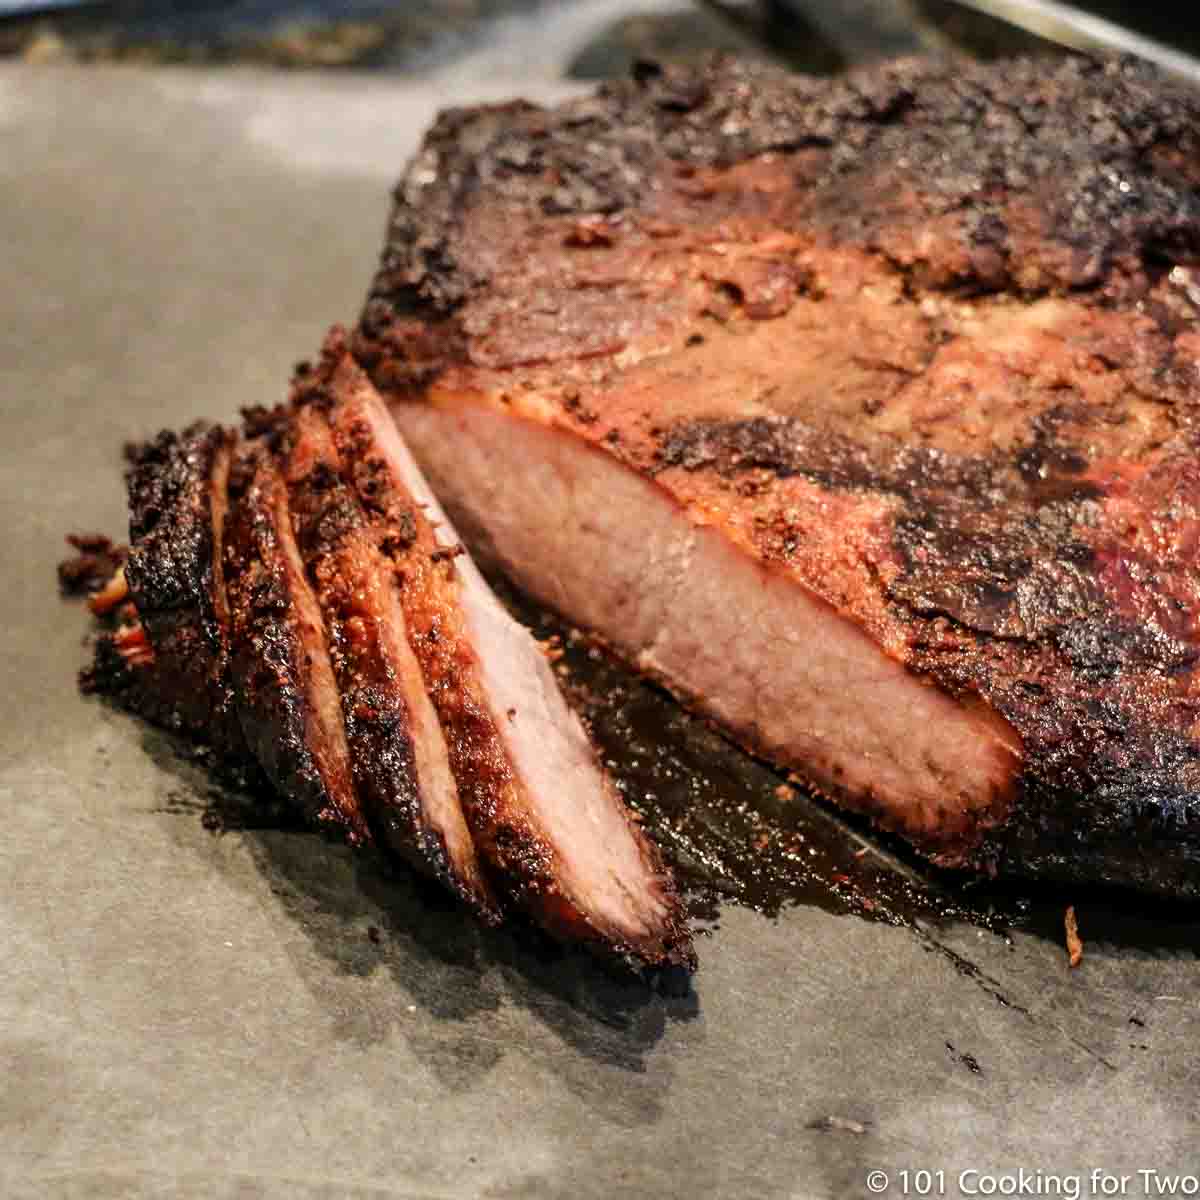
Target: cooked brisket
(297, 597)
(178, 497)
(287, 697)
(398, 753)
(548, 822)
(862, 414)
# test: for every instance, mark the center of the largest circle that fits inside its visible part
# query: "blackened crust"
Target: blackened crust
(176, 496)
(1044, 175)
(276, 651)
(923, 338)
(170, 523)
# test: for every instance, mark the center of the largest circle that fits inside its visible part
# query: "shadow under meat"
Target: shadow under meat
(362, 912)
(733, 828)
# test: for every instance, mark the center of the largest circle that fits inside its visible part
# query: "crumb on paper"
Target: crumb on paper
(1074, 941)
(833, 1124)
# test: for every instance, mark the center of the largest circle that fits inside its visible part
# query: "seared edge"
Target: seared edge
(177, 487)
(286, 694)
(508, 811)
(396, 748)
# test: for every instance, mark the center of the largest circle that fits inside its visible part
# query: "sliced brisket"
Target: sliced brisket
(177, 635)
(547, 820)
(398, 754)
(296, 595)
(284, 685)
(861, 413)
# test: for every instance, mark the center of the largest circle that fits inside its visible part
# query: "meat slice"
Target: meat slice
(398, 756)
(770, 658)
(178, 497)
(286, 694)
(294, 595)
(550, 824)
(860, 413)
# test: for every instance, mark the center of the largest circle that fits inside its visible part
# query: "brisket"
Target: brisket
(177, 633)
(296, 597)
(286, 694)
(398, 753)
(859, 413)
(548, 822)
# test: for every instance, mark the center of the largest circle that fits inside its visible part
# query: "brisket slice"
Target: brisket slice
(554, 833)
(176, 638)
(284, 685)
(860, 413)
(398, 755)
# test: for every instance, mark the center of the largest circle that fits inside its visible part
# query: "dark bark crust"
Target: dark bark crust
(170, 574)
(1038, 553)
(272, 660)
(1058, 175)
(338, 534)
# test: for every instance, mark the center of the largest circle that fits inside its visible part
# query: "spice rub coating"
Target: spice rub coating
(914, 354)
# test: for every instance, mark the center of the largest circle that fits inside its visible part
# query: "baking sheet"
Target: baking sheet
(261, 1013)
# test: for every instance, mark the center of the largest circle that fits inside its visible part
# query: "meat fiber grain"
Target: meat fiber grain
(861, 413)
